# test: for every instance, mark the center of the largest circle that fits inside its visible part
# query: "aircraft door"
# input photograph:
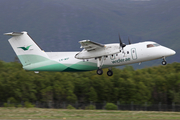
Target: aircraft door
(133, 53)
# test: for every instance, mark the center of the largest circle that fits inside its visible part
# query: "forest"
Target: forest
(152, 85)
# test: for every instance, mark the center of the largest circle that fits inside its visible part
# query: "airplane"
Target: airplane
(94, 56)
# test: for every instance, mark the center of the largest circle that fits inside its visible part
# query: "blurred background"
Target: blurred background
(58, 25)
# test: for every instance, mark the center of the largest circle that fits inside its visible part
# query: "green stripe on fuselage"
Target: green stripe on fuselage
(39, 63)
(55, 66)
(31, 59)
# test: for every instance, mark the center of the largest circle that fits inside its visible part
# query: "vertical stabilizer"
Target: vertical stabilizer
(26, 49)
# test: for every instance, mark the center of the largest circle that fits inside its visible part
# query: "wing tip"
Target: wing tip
(84, 41)
(15, 33)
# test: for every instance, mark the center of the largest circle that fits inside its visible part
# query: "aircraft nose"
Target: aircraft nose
(172, 52)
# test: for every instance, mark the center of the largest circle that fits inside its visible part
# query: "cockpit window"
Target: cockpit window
(152, 45)
(156, 44)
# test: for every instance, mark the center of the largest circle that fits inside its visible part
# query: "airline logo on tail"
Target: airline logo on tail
(25, 48)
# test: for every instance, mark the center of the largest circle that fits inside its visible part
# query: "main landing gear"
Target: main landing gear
(100, 62)
(164, 61)
(109, 72)
(100, 72)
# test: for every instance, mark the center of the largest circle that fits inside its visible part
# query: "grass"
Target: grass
(38, 113)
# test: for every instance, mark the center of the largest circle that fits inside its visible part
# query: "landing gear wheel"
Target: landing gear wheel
(164, 62)
(110, 73)
(99, 71)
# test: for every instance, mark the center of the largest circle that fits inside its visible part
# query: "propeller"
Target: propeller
(129, 41)
(120, 42)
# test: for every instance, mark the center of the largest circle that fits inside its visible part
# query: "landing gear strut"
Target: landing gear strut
(164, 61)
(100, 62)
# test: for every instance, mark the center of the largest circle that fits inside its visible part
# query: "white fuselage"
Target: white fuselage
(133, 53)
(94, 56)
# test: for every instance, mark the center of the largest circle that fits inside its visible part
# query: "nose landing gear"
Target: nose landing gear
(164, 61)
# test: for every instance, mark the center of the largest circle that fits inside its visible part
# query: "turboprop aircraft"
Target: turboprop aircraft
(94, 56)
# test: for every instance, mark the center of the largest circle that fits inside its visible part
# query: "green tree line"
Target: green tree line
(151, 85)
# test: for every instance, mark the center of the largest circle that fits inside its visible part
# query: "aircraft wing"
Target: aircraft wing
(89, 45)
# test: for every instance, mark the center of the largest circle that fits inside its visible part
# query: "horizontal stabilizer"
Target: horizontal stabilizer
(14, 33)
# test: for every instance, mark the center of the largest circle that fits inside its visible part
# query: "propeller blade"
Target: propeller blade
(129, 40)
(120, 41)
